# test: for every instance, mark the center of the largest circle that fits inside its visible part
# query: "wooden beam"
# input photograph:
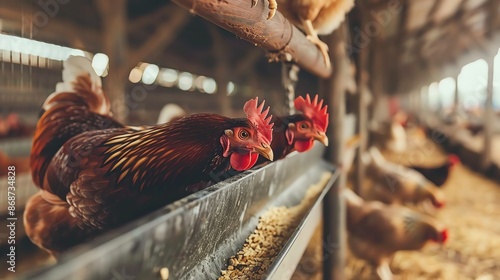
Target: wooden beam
(479, 41)
(434, 10)
(275, 35)
(399, 47)
(163, 36)
(362, 77)
(492, 20)
(334, 212)
(460, 15)
(247, 62)
(138, 25)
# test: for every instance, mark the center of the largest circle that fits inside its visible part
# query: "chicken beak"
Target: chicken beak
(265, 151)
(321, 137)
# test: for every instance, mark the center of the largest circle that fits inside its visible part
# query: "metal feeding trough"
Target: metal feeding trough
(195, 237)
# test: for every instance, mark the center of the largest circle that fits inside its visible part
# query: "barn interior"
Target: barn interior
(415, 79)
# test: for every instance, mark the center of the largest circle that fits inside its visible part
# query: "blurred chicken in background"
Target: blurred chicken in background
(12, 126)
(377, 231)
(316, 17)
(395, 183)
(21, 164)
(439, 174)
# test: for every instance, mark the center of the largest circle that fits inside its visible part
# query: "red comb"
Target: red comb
(259, 118)
(313, 110)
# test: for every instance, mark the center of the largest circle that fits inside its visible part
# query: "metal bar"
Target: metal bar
(488, 119)
(334, 206)
(250, 24)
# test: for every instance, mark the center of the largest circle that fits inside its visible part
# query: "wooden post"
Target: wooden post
(220, 52)
(114, 16)
(488, 118)
(425, 105)
(334, 212)
(456, 98)
(362, 128)
(416, 100)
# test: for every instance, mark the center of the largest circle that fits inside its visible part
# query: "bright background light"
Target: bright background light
(37, 48)
(150, 73)
(135, 75)
(433, 96)
(100, 63)
(496, 82)
(230, 88)
(185, 81)
(472, 83)
(19, 50)
(446, 89)
(209, 85)
(167, 77)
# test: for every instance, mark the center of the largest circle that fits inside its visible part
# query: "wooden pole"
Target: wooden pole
(488, 118)
(456, 98)
(114, 17)
(219, 49)
(277, 35)
(166, 32)
(425, 105)
(362, 118)
(334, 212)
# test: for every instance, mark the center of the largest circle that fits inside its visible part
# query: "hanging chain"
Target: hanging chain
(289, 78)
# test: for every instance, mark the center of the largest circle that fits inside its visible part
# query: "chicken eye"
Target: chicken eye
(304, 125)
(244, 134)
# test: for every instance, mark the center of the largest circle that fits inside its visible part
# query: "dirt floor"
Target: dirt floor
(472, 214)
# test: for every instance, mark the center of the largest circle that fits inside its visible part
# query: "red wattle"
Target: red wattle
(242, 162)
(453, 159)
(444, 236)
(303, 145)
(439, 204)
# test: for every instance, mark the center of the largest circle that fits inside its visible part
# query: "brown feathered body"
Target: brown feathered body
(377, 231)
(325, 15)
